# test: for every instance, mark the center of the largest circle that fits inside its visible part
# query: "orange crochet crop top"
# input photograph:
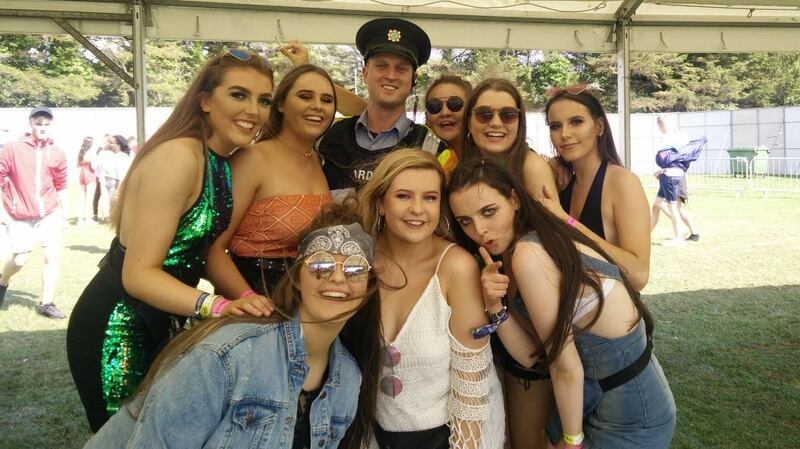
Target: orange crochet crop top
(271, 227)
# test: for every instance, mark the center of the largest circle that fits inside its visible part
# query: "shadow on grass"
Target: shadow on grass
(731, 359)
(24, 299)
(91, 249)
(40, 406)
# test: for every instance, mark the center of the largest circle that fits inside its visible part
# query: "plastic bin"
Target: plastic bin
(755, 157)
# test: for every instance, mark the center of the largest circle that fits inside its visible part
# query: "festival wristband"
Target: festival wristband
(219, 304)
(205, 308)
(572, 222)
(199, 303)
(495, 320)
(248, 292)
(573, 440)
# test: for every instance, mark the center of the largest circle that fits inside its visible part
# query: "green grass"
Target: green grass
(727, 331)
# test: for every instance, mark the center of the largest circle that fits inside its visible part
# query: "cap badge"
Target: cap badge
(393, 36)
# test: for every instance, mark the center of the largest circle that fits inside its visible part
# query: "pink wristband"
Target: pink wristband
(572, 222)
(216, 309)
(246, 293)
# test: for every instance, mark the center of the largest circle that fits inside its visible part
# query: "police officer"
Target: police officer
(393, 49)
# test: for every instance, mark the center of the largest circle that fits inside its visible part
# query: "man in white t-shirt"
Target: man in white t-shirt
(672, 193)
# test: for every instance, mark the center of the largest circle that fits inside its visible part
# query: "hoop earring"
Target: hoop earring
(469, 136)
(379, 224)
(446, 231)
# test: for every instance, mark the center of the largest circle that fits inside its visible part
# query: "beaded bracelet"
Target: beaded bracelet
(572, 222)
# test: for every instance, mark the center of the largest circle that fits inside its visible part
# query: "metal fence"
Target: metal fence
(740, 175)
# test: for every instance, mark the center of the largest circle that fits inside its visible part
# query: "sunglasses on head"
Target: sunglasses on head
(322, 265)
(572, 90)
(434, 105)
(246, 55)
(485, 114)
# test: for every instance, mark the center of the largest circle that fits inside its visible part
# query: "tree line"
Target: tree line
(58, 71)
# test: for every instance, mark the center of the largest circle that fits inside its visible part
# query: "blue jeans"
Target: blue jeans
(637, 414)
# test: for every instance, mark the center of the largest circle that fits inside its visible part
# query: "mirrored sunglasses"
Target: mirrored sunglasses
(322, 265)
(391, 385)
(434, 105)
(484, 114)
(245, 55)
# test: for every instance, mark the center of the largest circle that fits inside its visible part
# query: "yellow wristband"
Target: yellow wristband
(573, 440)
(205, 309)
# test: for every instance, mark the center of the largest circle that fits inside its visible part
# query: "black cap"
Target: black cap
(41, 110)
(394, 36)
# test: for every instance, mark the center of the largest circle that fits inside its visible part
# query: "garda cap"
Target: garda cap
(396, 36)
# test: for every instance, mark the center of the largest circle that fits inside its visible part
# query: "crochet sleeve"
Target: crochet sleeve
(475, 408)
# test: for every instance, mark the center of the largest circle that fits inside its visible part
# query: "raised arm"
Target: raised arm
(347, 103)
(474, 423)
(538, 280)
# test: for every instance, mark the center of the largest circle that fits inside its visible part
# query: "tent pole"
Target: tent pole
(139, 74)
(624, 90)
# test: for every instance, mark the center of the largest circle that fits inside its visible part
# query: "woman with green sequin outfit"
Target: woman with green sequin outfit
(278, 187)
(175, 200)
(305, 377)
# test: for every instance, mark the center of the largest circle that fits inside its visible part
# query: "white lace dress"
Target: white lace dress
(444, 382)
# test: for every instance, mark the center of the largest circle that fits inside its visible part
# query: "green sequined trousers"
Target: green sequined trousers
(128, 350)
(112, 337)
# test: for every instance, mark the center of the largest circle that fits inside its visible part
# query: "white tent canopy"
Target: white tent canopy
(621, 26)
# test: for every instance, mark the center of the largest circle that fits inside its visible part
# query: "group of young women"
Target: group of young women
(369, 322)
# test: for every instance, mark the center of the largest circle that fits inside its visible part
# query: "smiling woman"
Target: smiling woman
(278, 187)
(304, 377)
(175, 200)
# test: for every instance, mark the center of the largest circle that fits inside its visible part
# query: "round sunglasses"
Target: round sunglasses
(322, 265)
(391, 385)
(485, 114)
(434, 105)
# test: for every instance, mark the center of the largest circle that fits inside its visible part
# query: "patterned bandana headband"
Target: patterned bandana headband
(347, 240)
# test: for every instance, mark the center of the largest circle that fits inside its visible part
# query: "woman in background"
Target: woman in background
(444, 115)
(86, 179)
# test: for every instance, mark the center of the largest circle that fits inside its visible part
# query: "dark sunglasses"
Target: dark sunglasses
(322, 265)
(434, 105)
(485, 114)
(245, 55)
(391, 385)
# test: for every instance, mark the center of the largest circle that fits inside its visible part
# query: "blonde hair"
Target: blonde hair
(385, 173)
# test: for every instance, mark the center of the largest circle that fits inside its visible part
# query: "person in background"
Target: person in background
(87, 179)
(111, 167)
(33, 178)
(304, 377)
(572, 307)
(175, 201)
(393, 50)
(673, 195)
(444, 114)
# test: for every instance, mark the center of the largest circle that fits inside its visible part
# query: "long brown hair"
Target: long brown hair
(86, 145)
(519, 148)
(583, 95)
(557, 238)
(188, 119)
(361, 334)
(275, 121)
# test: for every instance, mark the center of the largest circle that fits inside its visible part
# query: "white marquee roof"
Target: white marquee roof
(588, 25)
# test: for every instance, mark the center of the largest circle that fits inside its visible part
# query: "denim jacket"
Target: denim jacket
(238, 388)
